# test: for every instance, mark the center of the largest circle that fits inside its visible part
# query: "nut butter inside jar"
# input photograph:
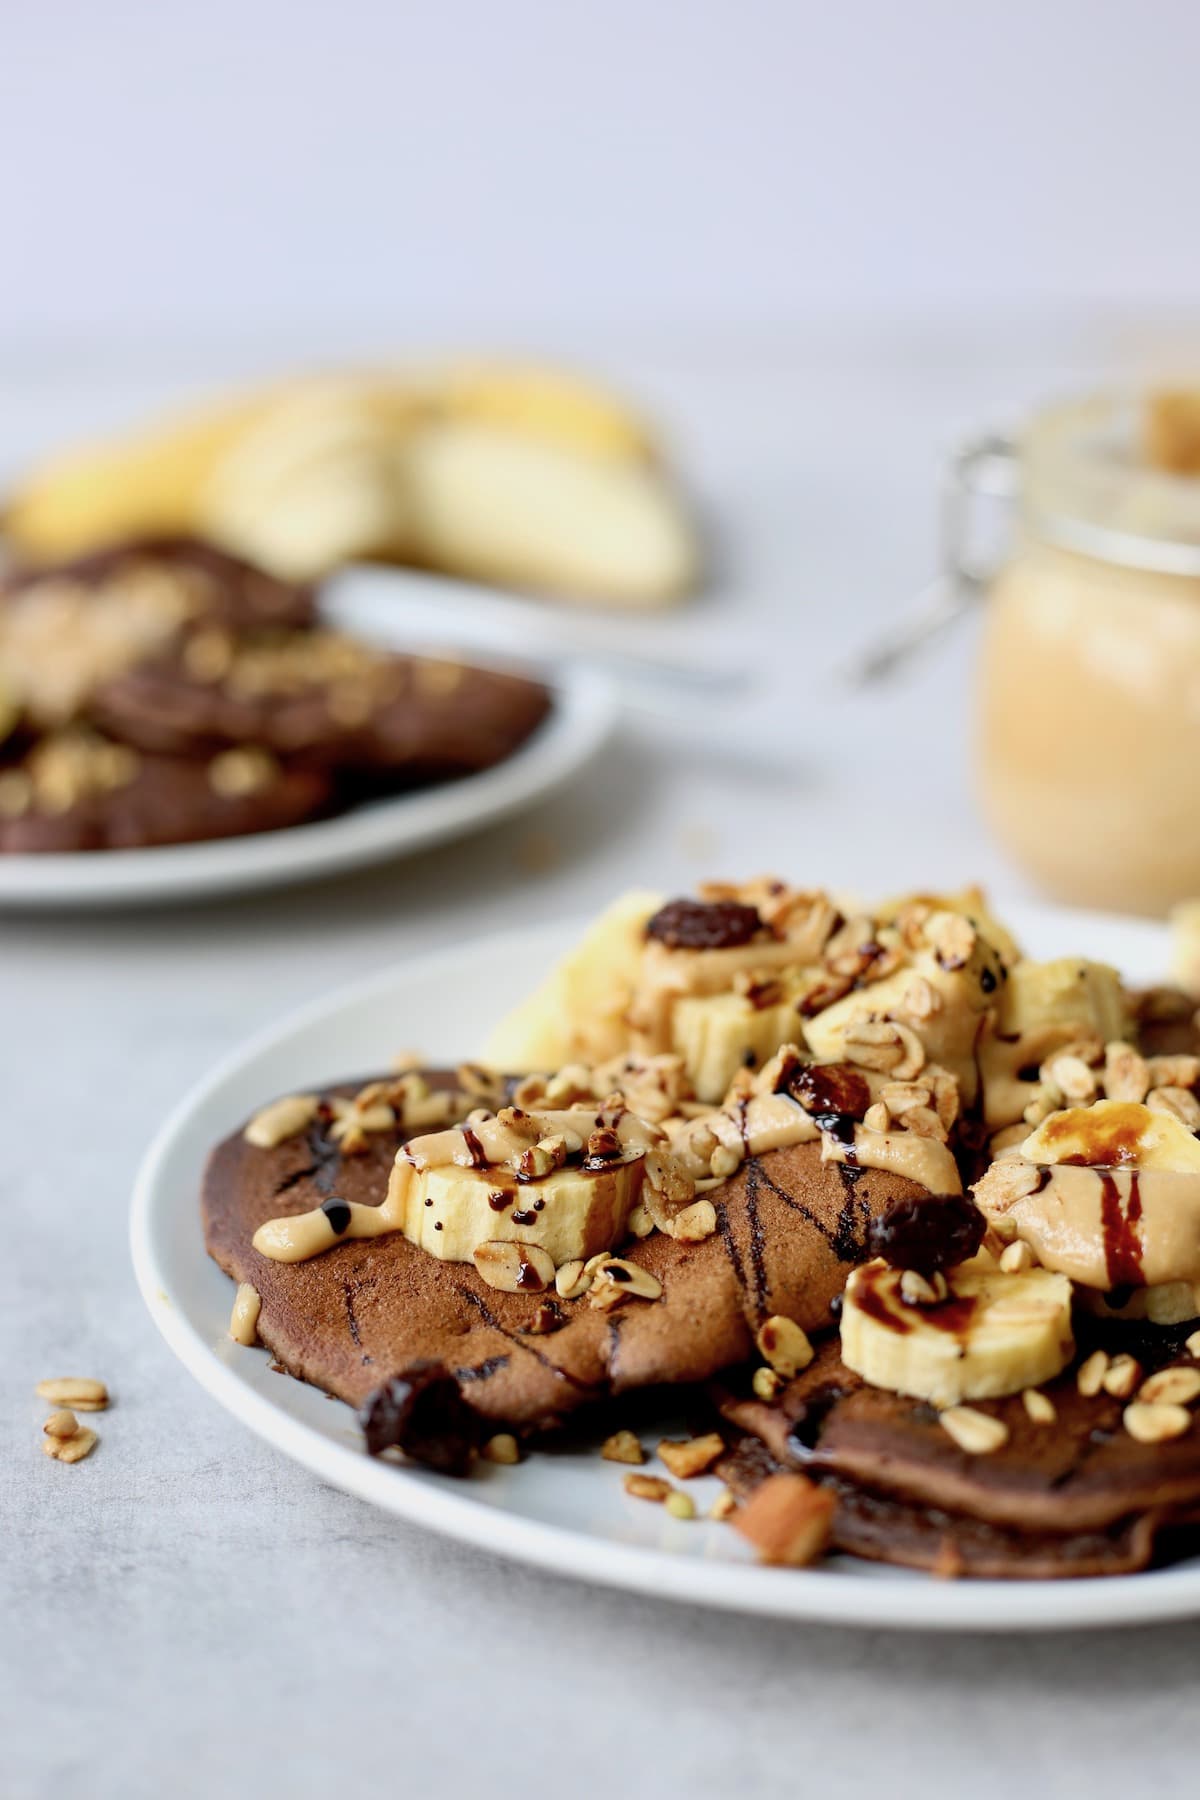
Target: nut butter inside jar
(1089, 710)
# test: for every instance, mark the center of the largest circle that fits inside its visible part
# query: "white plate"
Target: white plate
(583, 714)
(567, 1511)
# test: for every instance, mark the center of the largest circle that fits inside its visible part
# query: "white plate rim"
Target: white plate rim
(584, 712)
(446, 1506)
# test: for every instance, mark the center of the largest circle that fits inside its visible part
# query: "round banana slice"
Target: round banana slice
(572, 1214)
(994, 1334)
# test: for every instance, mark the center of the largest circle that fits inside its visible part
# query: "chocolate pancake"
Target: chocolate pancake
(880, 1528)
(223, 588)
(1083, 1474)
(156, 800)
(790, 1227)
(332, 704)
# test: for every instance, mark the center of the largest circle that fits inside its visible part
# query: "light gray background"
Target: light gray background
(520, 166)
(822, 242)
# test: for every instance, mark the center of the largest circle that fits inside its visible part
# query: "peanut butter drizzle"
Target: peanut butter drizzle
(924, 1160)
(486, 1145)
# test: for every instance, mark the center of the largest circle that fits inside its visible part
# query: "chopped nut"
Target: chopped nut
(1126, 1076)
(694, 1223)
(61, 1424)
(616, 1280)
(514, 1268)
(647, 1487)
(919, 1290)
(1039, 1406)
(534, 1163)
(1179, 1386)
(1192, 1344)
(766, 1384)
(570, 1281)
(1090, 1378)
(885, 1046)
(724, 1506)
(680, 1506)
(641, 1221)
(77, 1391)
(725, 1162)
(71, 1449)
(921, 999)
(245, 770)
(1071, 1077)
(1122, 1376)
(951, 938)
(686, 1457)
(243, 1320)
(622, 1447)
(1016, 1258)
(1173, 1071)
(503, 1448)
(788, 1519)
(784, 1345)
(978, 1433)
(1153, 1422)
(1178, 1101)
(281, 1120)
(877, 1117)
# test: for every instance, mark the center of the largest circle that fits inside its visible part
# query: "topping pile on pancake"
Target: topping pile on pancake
(757, 1118)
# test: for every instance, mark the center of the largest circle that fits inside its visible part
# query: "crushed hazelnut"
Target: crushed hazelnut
(1122, 1376)
(766, 1384)
(788, 1519)
(784, 1345)
(1017, 1258)
(679, 1505)
(503, 1448)
(77, 1391)
(1179, 1386)
(1154, 1422)
(71, 1449)
(647, 1487)
(978, 1433)
(686, 1457)
(514, 1268)
(724, 1506)
(622, 1447)
(1039, 1406)
(1092, 1371)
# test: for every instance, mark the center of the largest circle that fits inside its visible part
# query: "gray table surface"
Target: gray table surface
(186, 1613)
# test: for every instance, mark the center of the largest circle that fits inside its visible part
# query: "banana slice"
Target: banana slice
(571, 1214)
(578, 1013)
(718, 1034)
(1086, 997)
(1113, 1134)
(995, 1334)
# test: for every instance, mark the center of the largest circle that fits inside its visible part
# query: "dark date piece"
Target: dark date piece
(422, 1412)
(704, 924)
(829, 1090)
(927, 1233)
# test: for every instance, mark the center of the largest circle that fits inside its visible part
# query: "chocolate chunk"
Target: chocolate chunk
(704, 924)
(927, 1232)
(337, 1211)
(422, 1412)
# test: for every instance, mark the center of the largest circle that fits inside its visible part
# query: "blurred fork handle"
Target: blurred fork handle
(404, 610)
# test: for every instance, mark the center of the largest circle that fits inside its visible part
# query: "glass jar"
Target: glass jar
(1089, 702)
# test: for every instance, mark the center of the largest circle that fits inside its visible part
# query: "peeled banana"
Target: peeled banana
(503, 473)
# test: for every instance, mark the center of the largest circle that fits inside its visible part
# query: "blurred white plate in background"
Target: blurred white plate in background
(584, 712)
(566, 1512)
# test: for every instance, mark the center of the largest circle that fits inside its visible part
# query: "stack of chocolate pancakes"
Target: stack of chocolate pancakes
(976, 1399)
(165, 691)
